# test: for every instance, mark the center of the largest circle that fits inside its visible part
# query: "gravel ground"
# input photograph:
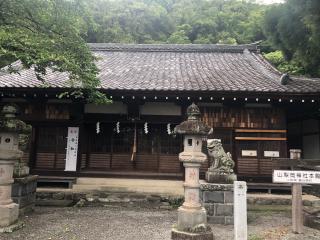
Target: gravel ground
(120, 223)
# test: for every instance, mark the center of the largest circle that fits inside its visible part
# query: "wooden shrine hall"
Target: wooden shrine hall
(257, 111)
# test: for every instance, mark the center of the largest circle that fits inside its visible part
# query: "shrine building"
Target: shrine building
(258, 112)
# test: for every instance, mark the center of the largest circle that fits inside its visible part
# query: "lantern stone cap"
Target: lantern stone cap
(10, 123)
(193, 125)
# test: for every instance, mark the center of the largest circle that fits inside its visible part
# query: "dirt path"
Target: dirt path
(116, 223)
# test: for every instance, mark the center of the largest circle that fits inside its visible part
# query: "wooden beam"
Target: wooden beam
(260, 139)
(260, 131)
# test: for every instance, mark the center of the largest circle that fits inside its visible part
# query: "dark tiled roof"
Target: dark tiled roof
(167, 67)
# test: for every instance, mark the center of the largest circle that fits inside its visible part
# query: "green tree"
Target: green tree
(180, 36)
(294, 28)
(47, 34)
(278, 60)
(161, 21)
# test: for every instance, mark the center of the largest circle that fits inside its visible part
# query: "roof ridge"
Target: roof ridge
(131, 47)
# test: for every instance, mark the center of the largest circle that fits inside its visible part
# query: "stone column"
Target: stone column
(10, 127)
(9, 211)
(191, 213)
(192, 216)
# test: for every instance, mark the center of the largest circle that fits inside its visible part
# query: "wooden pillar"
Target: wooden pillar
(297, 214)
(33, 148)
(80, 144)
(296, 191)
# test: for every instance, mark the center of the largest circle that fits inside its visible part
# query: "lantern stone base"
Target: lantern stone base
(8, 214)
(189, 218)
(24, 193)
(218, 201)
(180, 235)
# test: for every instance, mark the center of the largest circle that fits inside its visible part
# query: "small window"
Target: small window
(190, 142)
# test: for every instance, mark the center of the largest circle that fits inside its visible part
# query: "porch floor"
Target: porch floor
(162, 187)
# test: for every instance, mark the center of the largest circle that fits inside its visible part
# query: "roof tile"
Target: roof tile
(176, 68)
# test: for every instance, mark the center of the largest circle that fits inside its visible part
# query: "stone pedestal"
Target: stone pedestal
(192, 216)
(24, 193)
(180, 235)
(216, 177)
(217, 199)
(9, 211)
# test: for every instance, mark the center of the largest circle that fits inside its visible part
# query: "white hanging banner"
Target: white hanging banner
(72, 149)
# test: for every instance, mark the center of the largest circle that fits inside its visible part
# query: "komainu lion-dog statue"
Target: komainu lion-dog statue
(221, 163)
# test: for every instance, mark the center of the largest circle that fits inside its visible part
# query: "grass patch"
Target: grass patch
(254, 237)
(269, 208)
(257, 211)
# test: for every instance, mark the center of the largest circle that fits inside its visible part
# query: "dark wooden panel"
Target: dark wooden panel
(147, 162)
(45, 160)
(122, 161)
(60, 161)
(99, 160)
(170, 164)
(241, 117)
(83, 160)
(265, 166)
(248, 166)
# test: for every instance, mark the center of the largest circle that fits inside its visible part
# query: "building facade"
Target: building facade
(257, 112)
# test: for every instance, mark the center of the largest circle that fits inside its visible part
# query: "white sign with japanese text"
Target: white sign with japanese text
(72, 149)
(249, 153)
(271, 153)
(288, 176)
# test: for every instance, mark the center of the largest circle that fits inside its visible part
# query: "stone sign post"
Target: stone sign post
(10, 127)
(297, 178)
(192, 216)
(240, 211)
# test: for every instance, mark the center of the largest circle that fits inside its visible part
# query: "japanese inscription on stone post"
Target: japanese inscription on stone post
(240, 210)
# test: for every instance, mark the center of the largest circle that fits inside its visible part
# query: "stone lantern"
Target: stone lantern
(192, 216)
(10, 128)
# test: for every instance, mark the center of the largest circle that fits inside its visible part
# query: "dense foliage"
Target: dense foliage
(294, 28)
(176, 21)
(53, 33)
(46, 34)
